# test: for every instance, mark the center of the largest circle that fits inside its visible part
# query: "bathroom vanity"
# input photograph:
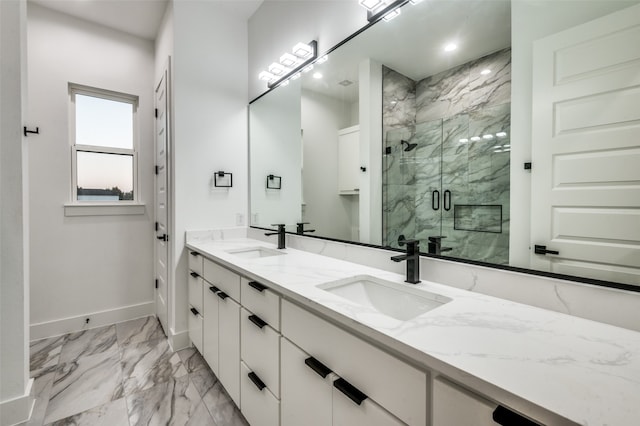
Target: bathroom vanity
(300, 338)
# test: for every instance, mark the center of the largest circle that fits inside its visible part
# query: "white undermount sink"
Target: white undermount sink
(255, 252)
(398, 301)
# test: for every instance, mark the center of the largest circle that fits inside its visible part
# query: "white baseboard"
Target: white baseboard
(96, 319)
(17, 410)
(179, 340)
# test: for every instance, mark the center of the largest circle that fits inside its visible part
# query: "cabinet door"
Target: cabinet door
(195, 328)
(453, 406)
(195, 290)
(349, 160)
(305, 397)
(210, 329)
(260, 349)
(229, 347)
(259, 406)
(348, 413)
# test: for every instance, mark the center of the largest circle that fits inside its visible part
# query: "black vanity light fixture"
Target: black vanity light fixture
(384, 9)
(302, 58)
(219, 179)
(274, 182)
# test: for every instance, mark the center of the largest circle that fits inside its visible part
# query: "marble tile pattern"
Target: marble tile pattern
(452, 112)
(125, 374)
(558, 368)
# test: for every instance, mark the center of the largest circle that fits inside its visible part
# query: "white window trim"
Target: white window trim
(102, 208)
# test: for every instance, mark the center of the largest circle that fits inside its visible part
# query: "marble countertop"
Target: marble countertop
(555, 367)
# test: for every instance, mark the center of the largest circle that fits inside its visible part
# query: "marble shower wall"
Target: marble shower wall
(460, 121)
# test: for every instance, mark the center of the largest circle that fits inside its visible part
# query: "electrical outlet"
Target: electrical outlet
(239, 219)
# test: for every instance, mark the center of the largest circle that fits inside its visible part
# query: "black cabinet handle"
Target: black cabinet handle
(349, 390)
(222, 295)
(194, 274)
(256, 380)
(194, 253)
(213, 289)
(194, 311)
(543, 250)
(505, 417)
(257, 321)
(321, 369)
(447, 200)
(435, 200)
(256, 285)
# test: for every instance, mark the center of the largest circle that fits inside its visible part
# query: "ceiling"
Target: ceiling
(140, 18)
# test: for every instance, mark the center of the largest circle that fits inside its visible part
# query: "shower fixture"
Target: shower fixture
(410, 146)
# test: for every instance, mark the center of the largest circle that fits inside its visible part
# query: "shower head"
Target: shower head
(410, 146)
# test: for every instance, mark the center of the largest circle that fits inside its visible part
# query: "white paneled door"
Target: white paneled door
(161, 257)
(586, 150)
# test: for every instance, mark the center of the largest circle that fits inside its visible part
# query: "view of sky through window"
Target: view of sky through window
(103, 122)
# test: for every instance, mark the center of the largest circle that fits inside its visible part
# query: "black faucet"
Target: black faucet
(435, 245)
(413, 260)
(280, 235)
(300, 229)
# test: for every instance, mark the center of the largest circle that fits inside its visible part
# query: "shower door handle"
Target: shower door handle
(447, 200)
(435, 200)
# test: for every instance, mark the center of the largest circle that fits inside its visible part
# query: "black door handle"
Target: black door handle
(194, 274)
(435, 200)
(194, 253)
(194, 311)
(256, 285)
(256, 380)
(222, 295)
(213, 289)
(163, 237)
(505, 417)
(543, 250)
(321, 369)
(447, 200)
(257, 321)
(349, 390)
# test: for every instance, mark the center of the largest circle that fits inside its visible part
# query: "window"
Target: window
(104, 146)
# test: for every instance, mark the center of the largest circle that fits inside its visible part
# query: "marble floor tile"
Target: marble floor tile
(45, 352)
(222, 408)
(83, 384)
(170, 403)
(113, 413)
(42, 384)
(192, 359)
(88, 342)
(203, 380)
(139, 330)
(149, 363)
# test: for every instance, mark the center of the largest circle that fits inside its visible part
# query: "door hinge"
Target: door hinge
(157, 169)
(156, 112)
(156, 283)
(157, 225)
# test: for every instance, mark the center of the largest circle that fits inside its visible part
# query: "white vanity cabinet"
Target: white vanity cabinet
(195, 297)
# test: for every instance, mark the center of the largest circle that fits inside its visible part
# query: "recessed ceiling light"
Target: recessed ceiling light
(317, 75)
(450, 47)
(485, 71)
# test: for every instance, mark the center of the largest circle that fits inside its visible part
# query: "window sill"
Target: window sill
(101, 209)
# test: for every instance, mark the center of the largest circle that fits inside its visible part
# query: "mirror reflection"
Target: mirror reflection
(406, 132)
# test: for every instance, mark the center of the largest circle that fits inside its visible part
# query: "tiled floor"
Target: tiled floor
(125, 374)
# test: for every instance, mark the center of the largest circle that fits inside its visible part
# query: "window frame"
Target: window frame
(133, 100)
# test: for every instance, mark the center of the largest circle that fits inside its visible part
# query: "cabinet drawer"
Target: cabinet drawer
(224, 279)
(261, 301)
(195, 328)
(395, 385)
(259, 407)
(210, 329)
(453, 406)
(195, 262)
(260, 349)
(229, 347)
(195, 291)
(348, 413)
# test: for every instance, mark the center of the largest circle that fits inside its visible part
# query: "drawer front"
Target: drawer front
(210, 330)
(259, 407)
(260, 350)
(348, 413)
(229, 347)
(195, 328)
(453, 406)
(261, 301)
(395, 385)
(305, 396)
(224, 279)
(195, 291)
(195, 262)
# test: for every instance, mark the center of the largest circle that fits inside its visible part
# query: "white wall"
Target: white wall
(530, 21)
(277, 25)
(15, 386)
(209, 133)
(91, 266)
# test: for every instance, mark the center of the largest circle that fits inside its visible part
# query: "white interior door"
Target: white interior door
(162, 202)
(586, 149)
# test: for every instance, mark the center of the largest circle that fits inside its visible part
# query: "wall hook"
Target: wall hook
(35, 132)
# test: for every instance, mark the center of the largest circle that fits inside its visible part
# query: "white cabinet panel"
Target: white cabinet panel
(224, 279)
(210, 329)
(261, 301)
(348, 413)
(453, 406)
(261, 350)
(259, 406)
(306, 397)
(195, 328)
(195, 290)
(229, 347)
(195, 262)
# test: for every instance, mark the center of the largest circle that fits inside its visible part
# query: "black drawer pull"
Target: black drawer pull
(505, 417)
(256, 285)
(194, 275)
(213, 289)
(195, 253)
(257, 321)
(194, 311)
(256, 381)
(321, 369)
(349, 390)
(222, 295)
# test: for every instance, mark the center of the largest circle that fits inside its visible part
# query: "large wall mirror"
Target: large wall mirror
(423, 127)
